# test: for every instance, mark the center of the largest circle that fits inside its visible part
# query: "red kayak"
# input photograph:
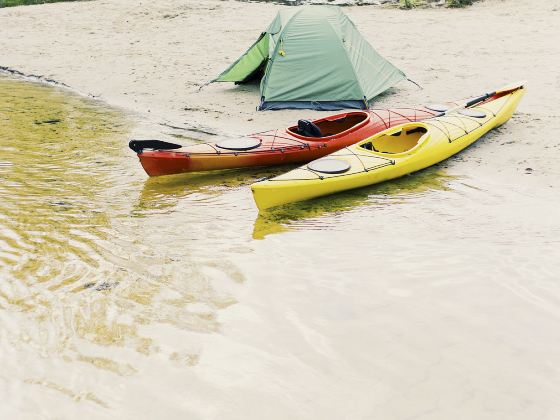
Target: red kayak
(307, 141)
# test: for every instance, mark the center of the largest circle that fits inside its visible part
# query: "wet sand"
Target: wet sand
(443, 301)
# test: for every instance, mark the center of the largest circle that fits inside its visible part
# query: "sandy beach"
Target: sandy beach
(447, 305)
(152, 58)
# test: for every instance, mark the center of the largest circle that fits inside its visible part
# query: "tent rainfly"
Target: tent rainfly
(313, 57)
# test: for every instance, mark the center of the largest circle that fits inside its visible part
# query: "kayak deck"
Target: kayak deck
(276, 147)
(390, 154)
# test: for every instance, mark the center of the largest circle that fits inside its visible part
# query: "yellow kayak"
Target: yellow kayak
(392, 153)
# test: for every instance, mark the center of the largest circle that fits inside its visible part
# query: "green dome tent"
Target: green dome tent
(313, 57)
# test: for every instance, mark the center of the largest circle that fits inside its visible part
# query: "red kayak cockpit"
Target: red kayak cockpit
(328, 127)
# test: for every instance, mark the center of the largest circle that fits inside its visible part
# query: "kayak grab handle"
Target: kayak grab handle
(479, 99)
(138, 146)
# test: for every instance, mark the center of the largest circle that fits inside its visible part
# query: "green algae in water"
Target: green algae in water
(72, 251)
(58, 154)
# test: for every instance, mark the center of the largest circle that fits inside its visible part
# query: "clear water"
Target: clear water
(128, 297)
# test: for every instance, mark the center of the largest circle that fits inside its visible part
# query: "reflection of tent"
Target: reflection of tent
(313, 57)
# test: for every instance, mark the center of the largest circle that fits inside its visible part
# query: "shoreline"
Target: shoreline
(8, 71)
(15, 74)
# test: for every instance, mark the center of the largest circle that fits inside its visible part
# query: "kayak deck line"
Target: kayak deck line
(279, 146)
(394, 152)
(307, 141)
(438, 122)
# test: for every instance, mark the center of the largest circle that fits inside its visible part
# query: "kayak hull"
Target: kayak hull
(279, 147)
(440, 138)
(158, 163)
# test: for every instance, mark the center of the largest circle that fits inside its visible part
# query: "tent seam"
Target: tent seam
(387, 61)
(350, 61)
(273, 55)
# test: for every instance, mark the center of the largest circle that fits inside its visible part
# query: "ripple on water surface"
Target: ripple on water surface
(88, 251)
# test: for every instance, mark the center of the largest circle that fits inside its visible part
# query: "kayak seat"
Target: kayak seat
(369, 146)
(329, 127)
(309, 129)
(398, 142)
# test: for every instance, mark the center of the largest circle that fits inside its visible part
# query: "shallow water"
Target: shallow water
(434, 296)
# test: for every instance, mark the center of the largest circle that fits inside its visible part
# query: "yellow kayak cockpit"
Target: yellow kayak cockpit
(403, 140)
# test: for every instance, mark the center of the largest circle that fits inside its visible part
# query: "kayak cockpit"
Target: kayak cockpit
(332, 126)
(400, 141)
